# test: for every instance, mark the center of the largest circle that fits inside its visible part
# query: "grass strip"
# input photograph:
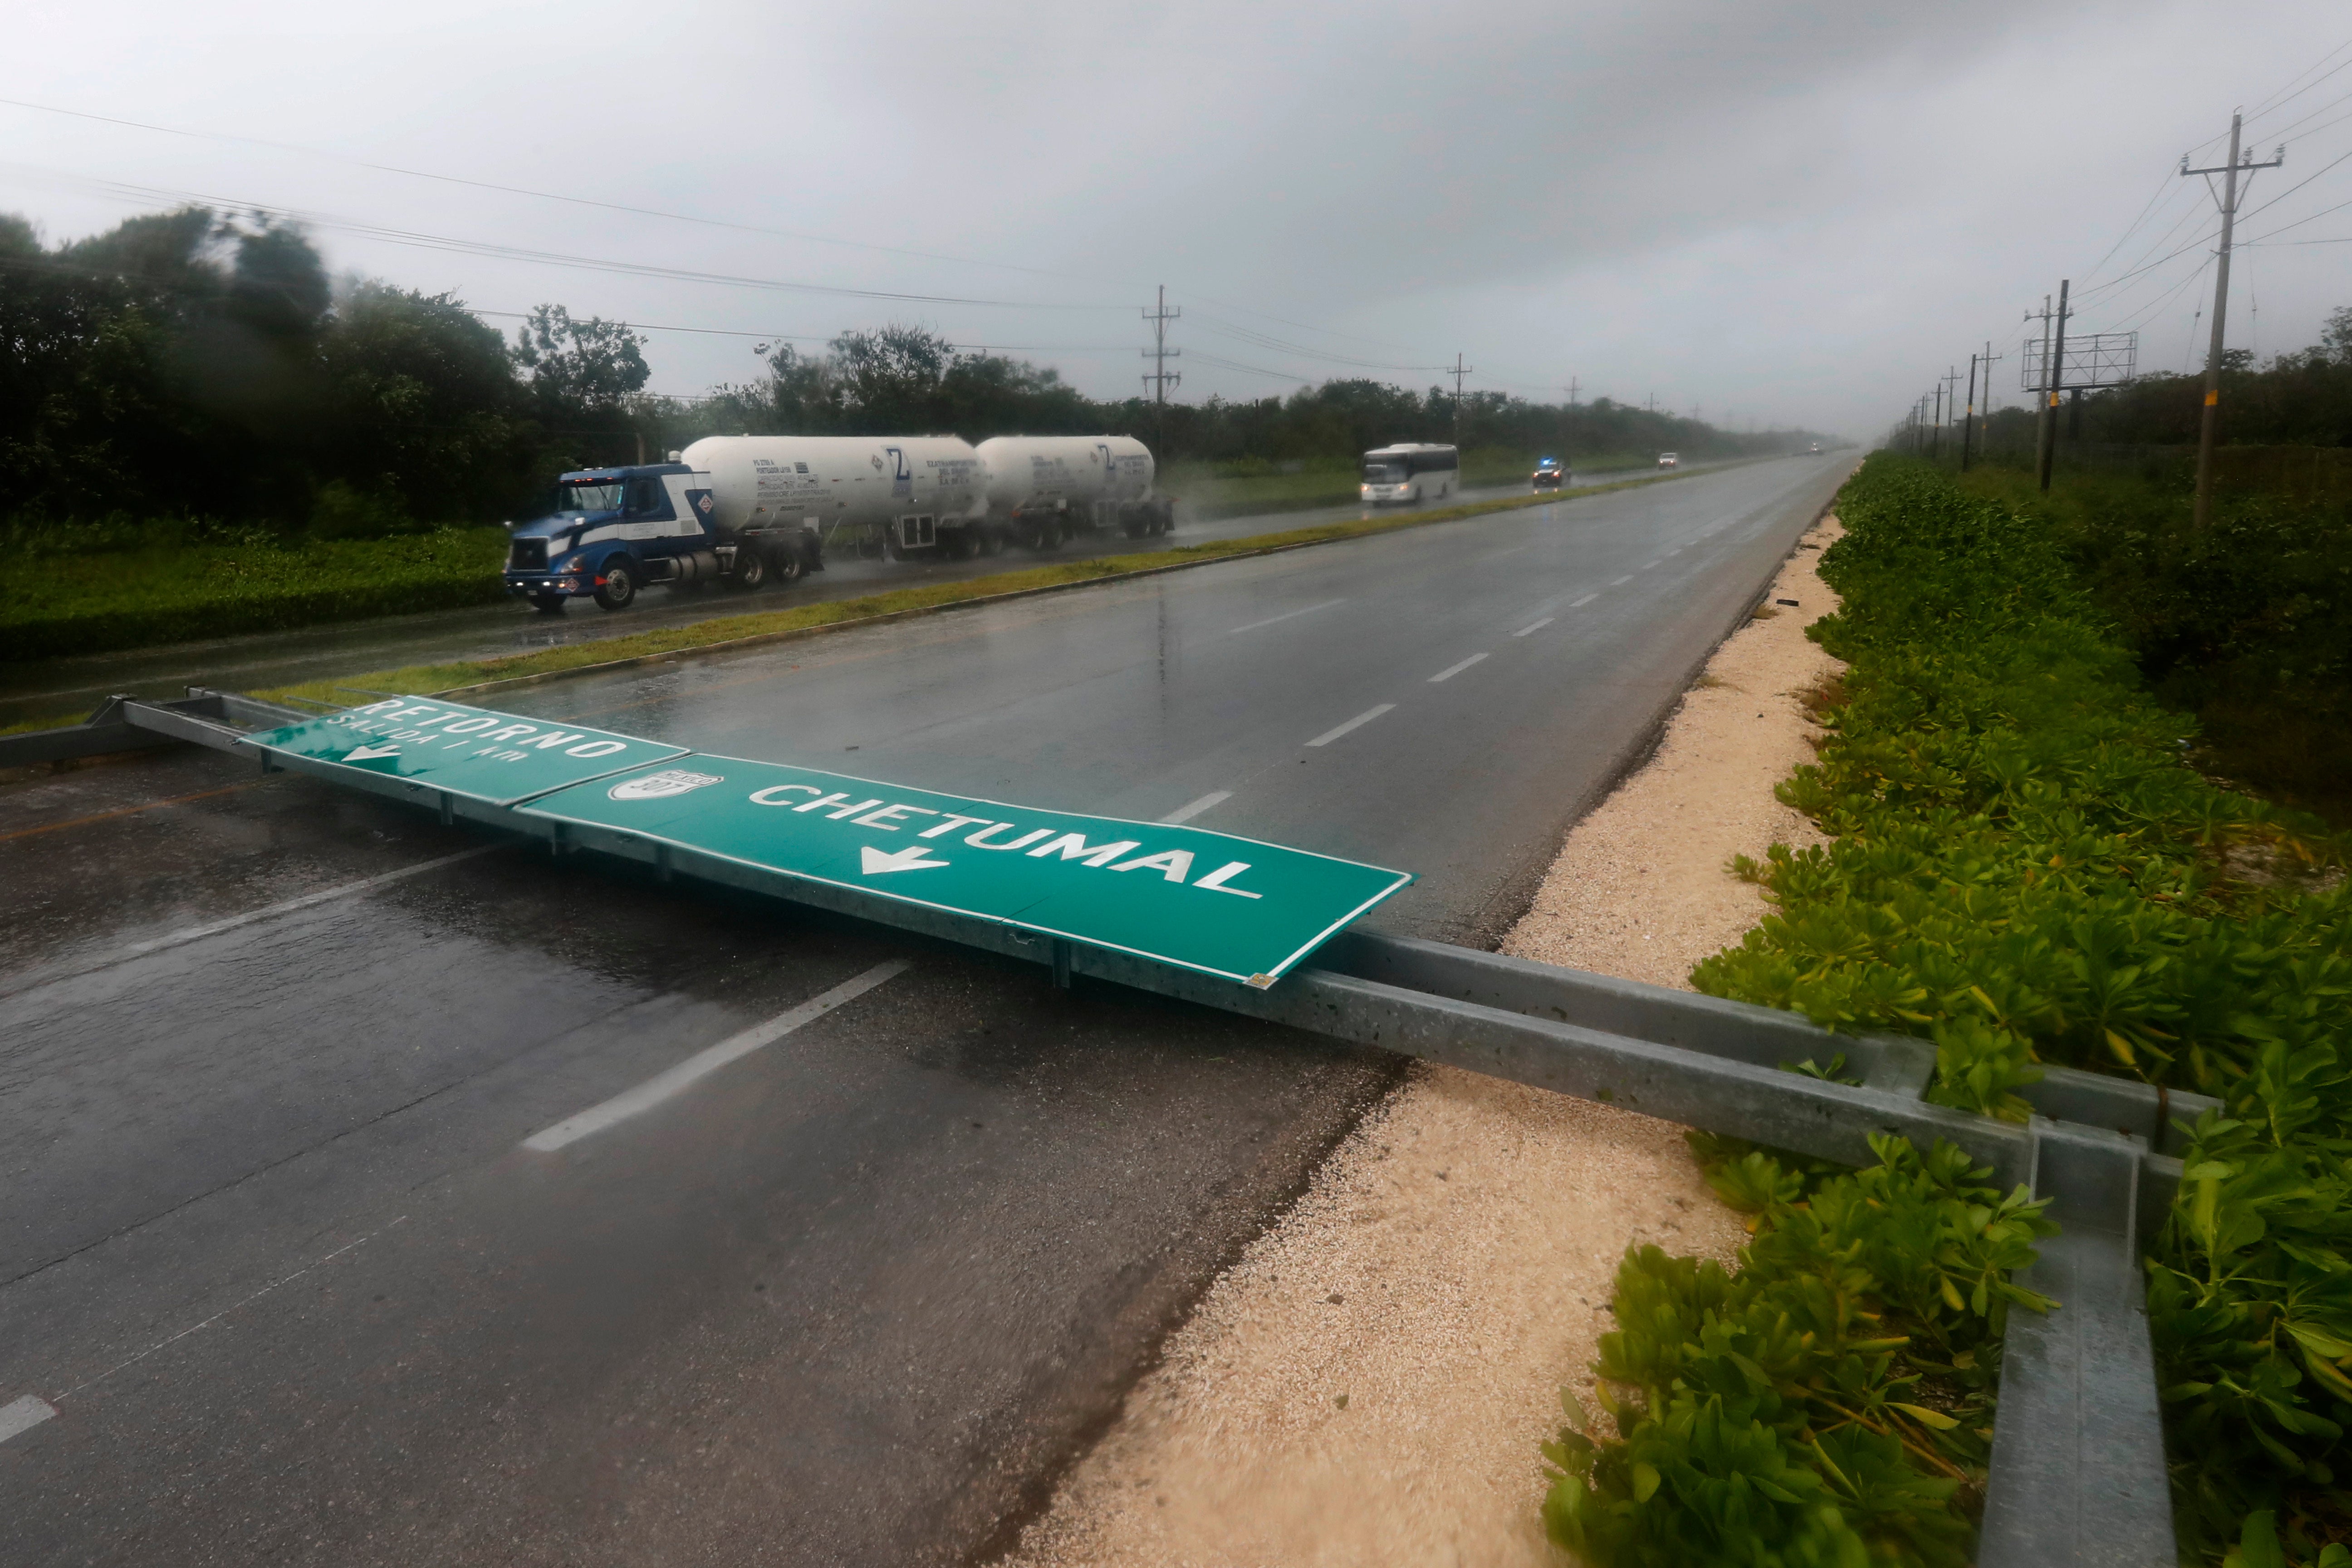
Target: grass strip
(2024, 869)
(472, 677)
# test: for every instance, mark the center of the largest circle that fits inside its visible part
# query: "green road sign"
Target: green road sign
(1227, 906)
(428, 744)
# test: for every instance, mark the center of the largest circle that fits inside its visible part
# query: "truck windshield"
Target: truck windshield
(1383, 473)
(588, 495)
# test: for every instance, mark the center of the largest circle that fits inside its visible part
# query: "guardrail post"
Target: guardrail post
(2077, 1473)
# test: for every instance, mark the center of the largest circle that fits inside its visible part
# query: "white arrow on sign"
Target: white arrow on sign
(910, 858)
(362, 754)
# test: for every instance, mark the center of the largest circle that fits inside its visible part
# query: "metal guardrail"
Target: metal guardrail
(2077, 1470)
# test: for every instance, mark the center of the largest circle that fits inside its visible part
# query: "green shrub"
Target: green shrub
(2025, 869)
(140, 597)
(1830, 1402)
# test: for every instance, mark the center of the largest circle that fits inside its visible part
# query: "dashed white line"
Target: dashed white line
(1622, 581)
(22, 1415)
(272, 911)
(29, 1411)
(1584, 601)
(666, 1085)
(1536, 627)
(1286, 615)
(1327, 736)
(1647, 564)
(1451, 670)
(1186, 813)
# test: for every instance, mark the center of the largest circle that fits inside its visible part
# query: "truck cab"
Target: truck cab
(614, 531)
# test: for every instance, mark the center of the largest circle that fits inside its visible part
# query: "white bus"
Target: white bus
(1410, 471)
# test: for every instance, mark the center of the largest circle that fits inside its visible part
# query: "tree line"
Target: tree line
(2301, 398)
(197, 364)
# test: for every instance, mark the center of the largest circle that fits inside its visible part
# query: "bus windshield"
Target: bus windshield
(588, 495)
(1383, 473)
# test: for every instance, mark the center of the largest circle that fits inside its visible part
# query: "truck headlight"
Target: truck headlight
(571, 565)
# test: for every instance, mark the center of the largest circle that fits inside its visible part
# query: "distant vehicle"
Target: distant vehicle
(1668, 460)
(1817, 449)
(1549, 475)
(1410, 471)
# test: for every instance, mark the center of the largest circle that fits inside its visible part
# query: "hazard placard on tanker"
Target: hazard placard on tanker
(1202, 900)
(427, 744)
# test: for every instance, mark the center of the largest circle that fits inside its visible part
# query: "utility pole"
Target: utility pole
(2053, 380)
(2211, 419)
(1990, 358)
(1160, 377)
(1573, 385)
(2040, 423)
(1457, 372)
(1969, 420)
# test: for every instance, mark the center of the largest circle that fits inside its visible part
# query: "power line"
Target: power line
(540, 195)
(496, 250)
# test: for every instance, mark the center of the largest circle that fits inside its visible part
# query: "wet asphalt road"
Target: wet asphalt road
(270, 1249)
(46, 689)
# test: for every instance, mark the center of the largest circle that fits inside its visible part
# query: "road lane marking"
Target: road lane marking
(20, 1415)
(1186, 813)
(270, 911)
(1536, 627)
(1327, 736)
(28, 1412)
(1647, 564)
(1450, 671)
(1621, 582)
(1584, 601)
(667, 1085)
(1291, 615)
(1678, 549)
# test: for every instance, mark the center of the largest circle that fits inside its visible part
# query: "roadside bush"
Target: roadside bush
(140, 597)
(1831, 1401)
(2243, 624)
(2025, 870)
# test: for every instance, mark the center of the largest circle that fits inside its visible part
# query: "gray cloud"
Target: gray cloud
(1785, 211)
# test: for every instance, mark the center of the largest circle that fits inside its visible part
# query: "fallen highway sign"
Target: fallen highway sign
(431, 745)
(1201, 901)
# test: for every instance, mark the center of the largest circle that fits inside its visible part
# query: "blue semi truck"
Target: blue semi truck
(614, 530)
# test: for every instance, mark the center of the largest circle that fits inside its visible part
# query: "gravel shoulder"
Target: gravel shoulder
(1369, 1385)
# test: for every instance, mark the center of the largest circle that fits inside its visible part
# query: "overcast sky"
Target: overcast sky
(1776, 212)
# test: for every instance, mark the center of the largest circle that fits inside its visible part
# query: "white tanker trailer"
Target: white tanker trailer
(889, 495)
(1043, 489)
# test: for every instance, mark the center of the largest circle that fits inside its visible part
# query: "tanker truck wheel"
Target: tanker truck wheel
(619, 586)
(787, 565)
(549, 603)
(750, 570)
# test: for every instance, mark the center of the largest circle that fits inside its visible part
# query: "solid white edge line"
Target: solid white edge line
(1584, 601)
(1539, 625)
(668, 1084)
(1291, 615)
(1452, 670)
(21, 1414)
(1187, 812)
(1327, 736)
